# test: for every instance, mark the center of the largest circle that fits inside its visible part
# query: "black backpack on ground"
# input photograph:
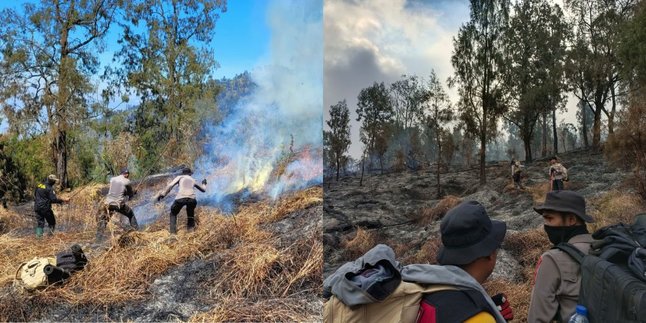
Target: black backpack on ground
(613, 284)
(71, 260)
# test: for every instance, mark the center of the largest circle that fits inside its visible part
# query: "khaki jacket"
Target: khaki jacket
(557, 283)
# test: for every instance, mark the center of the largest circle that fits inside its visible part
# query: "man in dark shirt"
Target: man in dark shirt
(44, 196)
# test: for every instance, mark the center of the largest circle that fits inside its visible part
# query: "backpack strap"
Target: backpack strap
(572, 251)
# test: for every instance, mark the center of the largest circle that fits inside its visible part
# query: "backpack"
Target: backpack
(42, 271)
(72, 260)
(613, 275)
(384, 291)
(34, 273)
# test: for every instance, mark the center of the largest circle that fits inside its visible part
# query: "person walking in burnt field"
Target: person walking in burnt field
(44, 196)
(116, 201)
(516, 170)
(558, 174)
(185, 197)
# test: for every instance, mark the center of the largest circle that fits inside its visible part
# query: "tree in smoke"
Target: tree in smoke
(374, 110)
(436, 113)
(535, 51)
(48, 58)
(626, 147)
(585, 118)
(338, 138)
(593, 66)
(477, 60)
(165, 66)
(407, 96)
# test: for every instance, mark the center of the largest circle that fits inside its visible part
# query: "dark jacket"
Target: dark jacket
(44, 196)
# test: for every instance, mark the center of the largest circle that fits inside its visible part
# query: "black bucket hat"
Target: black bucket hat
(468, 234)
(566, 202)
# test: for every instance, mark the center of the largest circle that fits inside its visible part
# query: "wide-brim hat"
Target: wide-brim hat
(565, 202)
(468, 234)
(52, 178)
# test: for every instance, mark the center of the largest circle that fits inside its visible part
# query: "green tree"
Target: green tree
(375, 111)
(477, 60)
(437, 112)
(48, 57)
(165, 60)
(338, 138)
(535, 52)
(593, 67)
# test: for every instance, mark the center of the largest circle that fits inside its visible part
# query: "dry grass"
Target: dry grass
(527, 247)
(437, 212)
(363, 241)
(539, 191)
(519, 295)
(257, 268)
(427, 253)
(298, 201)
(614, 207)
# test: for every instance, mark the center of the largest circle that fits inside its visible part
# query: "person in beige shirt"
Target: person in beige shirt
(185, 197)
(558, 276)
(120, 188)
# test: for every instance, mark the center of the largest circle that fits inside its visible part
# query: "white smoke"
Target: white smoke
(280, 124)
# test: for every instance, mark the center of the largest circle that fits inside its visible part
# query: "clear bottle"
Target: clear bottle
(580, 316)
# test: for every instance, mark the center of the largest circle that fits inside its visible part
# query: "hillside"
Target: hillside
(261, 263)
(401, 210)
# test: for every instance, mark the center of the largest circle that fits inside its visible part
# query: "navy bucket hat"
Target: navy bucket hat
(468, 234)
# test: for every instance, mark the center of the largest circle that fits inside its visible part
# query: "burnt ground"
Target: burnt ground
(388, 205)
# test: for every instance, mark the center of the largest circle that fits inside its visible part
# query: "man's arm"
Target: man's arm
(201, 187)
(543, 305)
(53, 198)
(170, 186)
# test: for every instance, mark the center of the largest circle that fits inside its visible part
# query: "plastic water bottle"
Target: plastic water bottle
(581, 315)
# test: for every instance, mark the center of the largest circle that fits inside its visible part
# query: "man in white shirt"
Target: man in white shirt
(185, 197)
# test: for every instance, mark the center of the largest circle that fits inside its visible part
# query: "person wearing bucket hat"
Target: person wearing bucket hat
(558, 276)
(44, 196)
(120, 187)
(185, 197)
(470, 242)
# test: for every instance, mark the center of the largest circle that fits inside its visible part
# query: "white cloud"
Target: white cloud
(368, 41)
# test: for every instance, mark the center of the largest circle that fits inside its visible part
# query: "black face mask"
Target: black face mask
(563, 234)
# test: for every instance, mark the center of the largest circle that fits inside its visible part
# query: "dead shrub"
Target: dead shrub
(614, 207)
(363, 241)
(437, 212)
(626, 147)
(427, 253)
(539, 191)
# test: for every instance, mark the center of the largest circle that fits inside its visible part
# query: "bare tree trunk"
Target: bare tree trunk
(363, 162)
(483, 147)
(527, 142)
(611, 117)
(544, 137)
(556, 139)
(61, 158)
(338, 166)
(584, 126)
(438, 159)
(596, 127)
